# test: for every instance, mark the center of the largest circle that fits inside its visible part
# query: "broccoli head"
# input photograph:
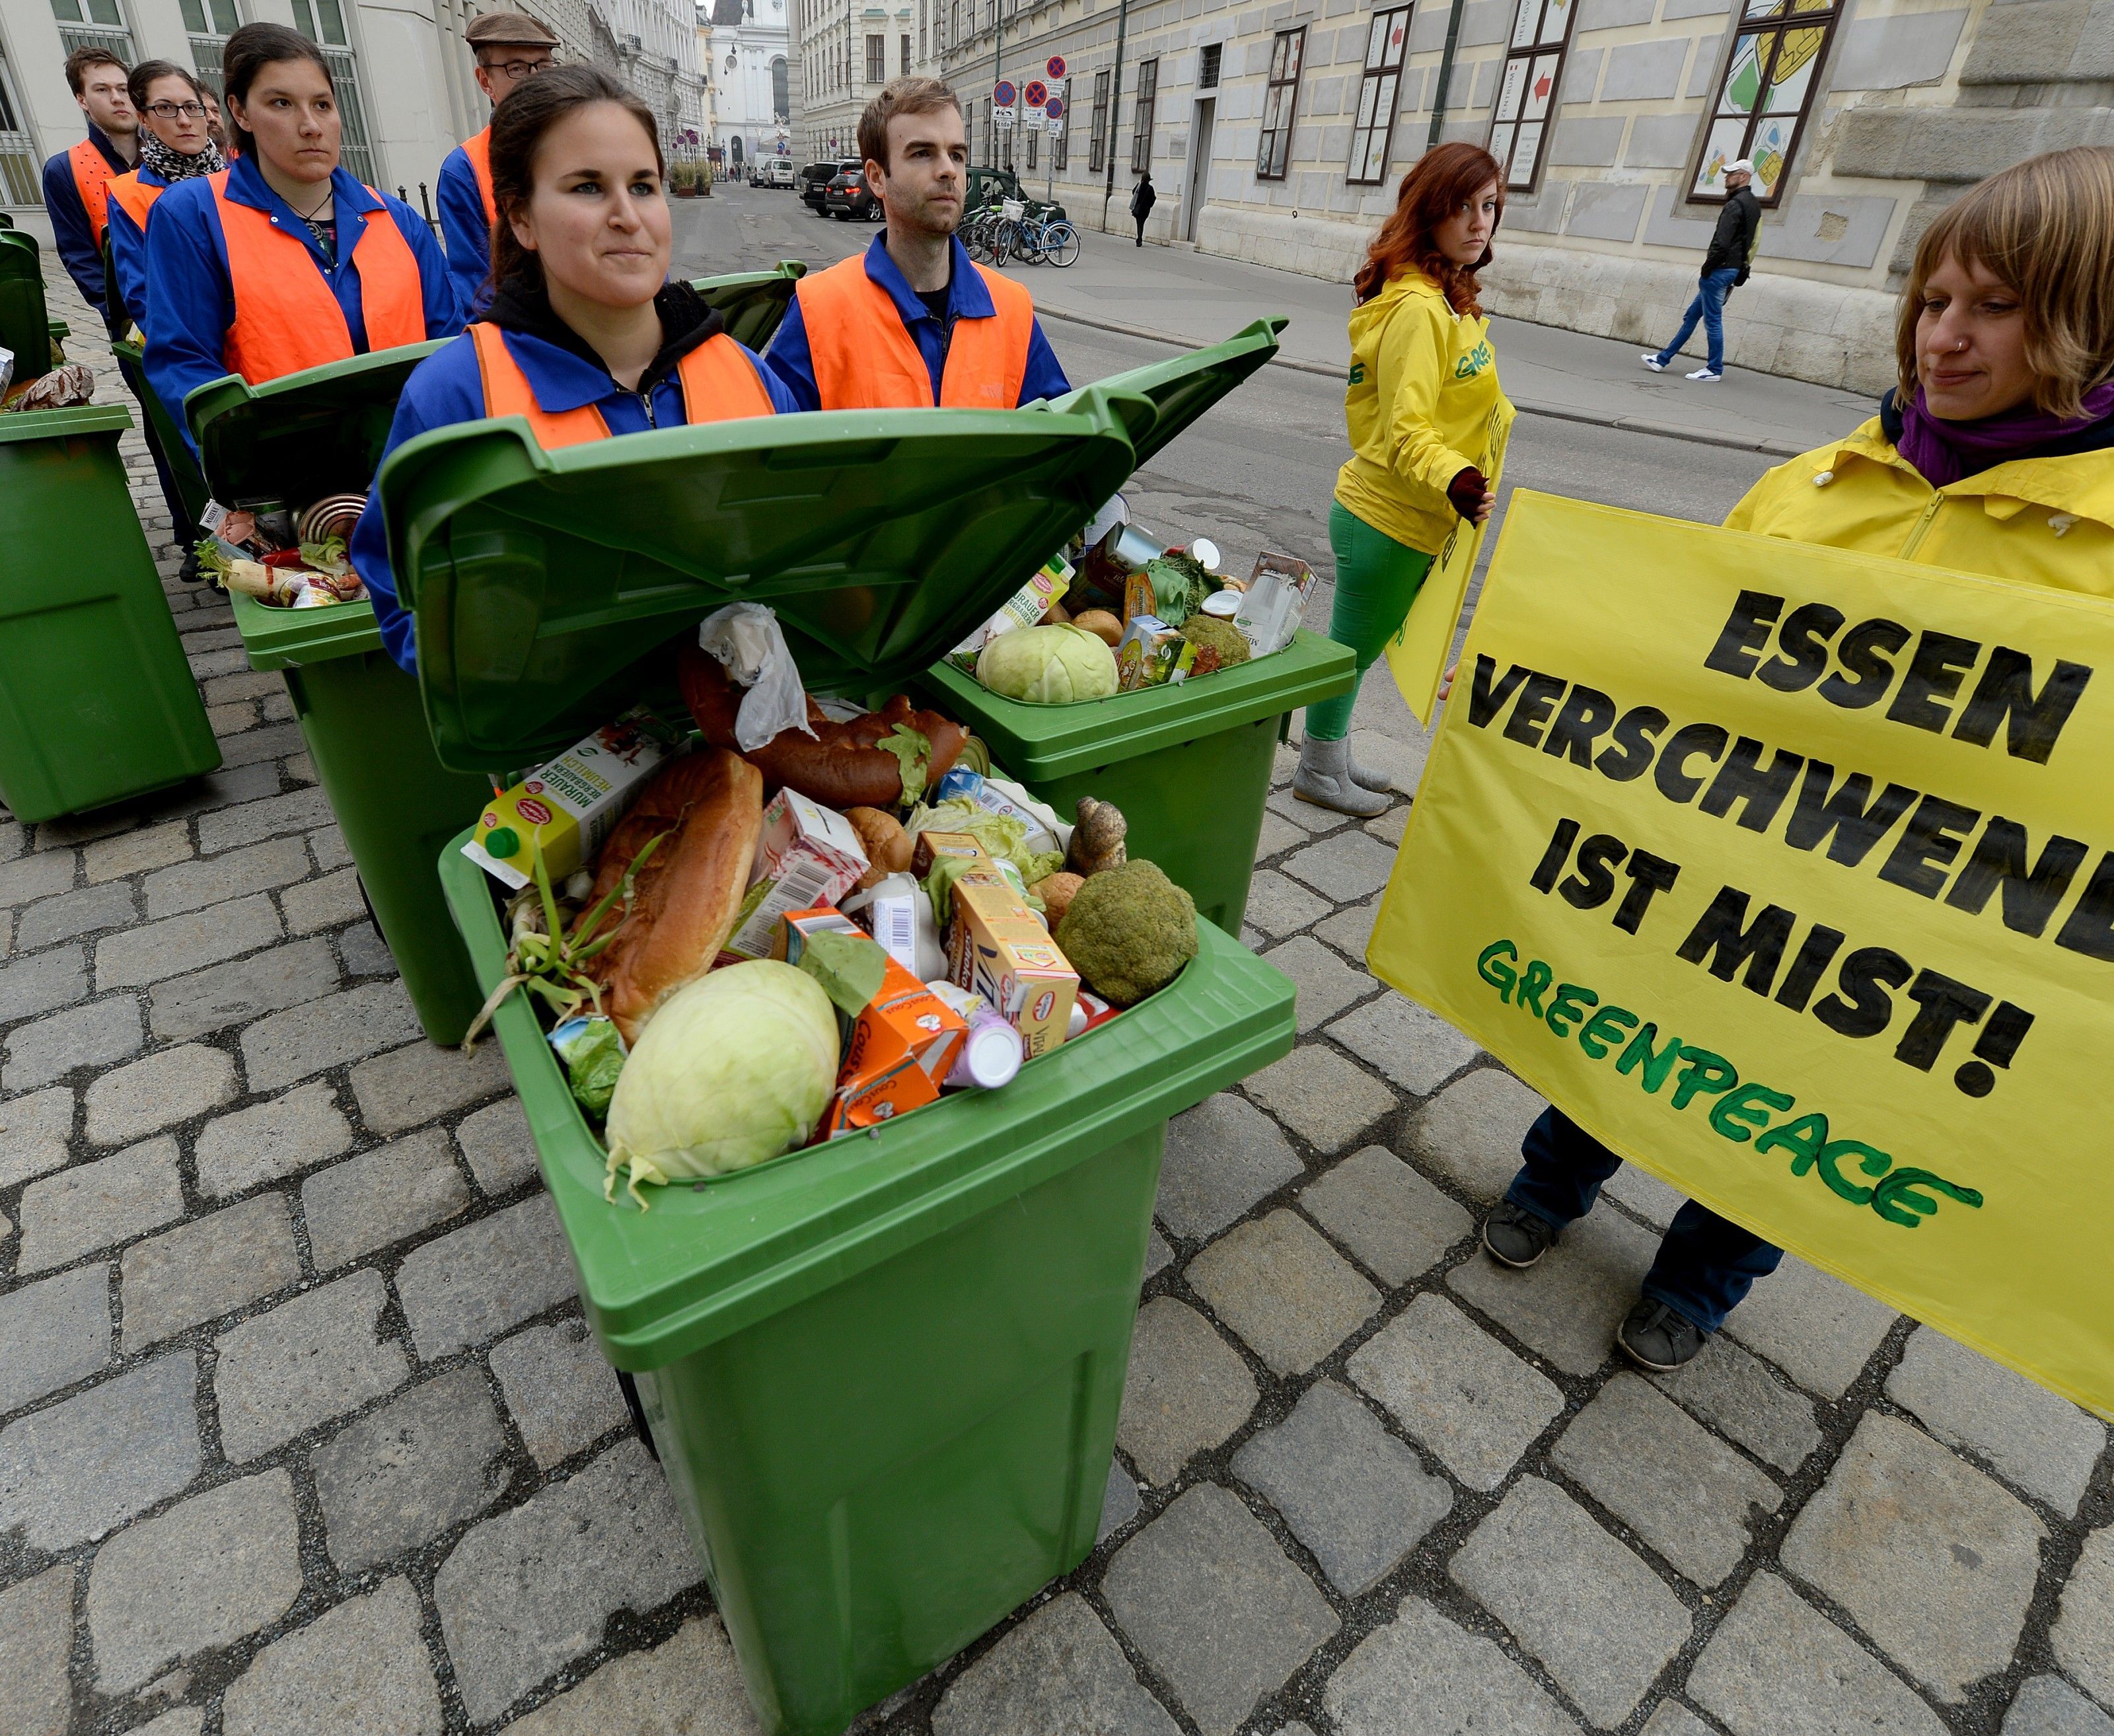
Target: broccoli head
(1220, 644)
(1129, 932)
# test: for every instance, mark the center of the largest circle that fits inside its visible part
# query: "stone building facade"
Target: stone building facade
(845, 51)
(1278, 133)
(401, 69)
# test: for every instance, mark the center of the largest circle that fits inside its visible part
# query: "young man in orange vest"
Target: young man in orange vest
(77, 181)
(510, 49)
(914, 321)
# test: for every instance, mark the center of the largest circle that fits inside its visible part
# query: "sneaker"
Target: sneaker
(1654, 1336)
(1654, 365)
(1708, 375)
(1516, 1237)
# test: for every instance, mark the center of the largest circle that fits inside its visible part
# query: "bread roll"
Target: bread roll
(686, 897)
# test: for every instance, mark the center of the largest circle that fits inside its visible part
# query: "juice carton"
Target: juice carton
(1025, 608)
(808, 855)
(1270, 607)
(898, 1049)
(1000, 950)
(570, 805)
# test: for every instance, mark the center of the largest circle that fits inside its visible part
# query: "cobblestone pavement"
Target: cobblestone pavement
(301, 1432)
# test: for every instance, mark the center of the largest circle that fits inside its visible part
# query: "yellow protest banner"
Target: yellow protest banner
(1789, 873)
(1419, 653)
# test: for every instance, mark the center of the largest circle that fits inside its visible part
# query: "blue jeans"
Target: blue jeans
(1705, 1266)
(1709, 307)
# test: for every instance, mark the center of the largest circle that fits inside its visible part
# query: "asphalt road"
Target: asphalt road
(1256, 473)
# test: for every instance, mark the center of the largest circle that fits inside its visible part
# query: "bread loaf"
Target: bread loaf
(839, 765)
(687, 896)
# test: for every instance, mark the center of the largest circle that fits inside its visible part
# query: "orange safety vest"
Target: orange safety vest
(92, 175)
(137, 199)
(865, 358)
(285, 317)
(719, 383)
(477, 149)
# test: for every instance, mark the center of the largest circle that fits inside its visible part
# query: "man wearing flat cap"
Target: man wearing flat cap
(510, 49)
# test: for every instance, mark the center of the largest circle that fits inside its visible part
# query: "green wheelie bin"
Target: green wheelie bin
(96, 702)
(882, 1375)
(1189, 765)
(295, 440)
(321, 432)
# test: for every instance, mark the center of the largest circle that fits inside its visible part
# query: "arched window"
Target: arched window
(782, 95)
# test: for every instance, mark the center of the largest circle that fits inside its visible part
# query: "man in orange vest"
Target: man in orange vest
(510, 49)
(914, 322)
(77, 181)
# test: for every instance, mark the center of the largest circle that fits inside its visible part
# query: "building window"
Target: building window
(877, 60)
(1207, 66)
(1034, 139)
(1534, 67)
(1097, 143)
(1060, 133)
(1373, 135)
(93, 24)
(1148, 99)
(1766, 93)
(905, 69)
(1280, 104)
(20, 167)
(322, 22)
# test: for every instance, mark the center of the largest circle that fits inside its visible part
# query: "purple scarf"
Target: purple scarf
(1946, 451)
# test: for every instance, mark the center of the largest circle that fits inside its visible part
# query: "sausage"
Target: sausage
(841, 767)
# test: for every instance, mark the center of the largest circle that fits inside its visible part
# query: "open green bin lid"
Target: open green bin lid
(305, 434)
(752, 304)
(1183, 387)
(551, 589)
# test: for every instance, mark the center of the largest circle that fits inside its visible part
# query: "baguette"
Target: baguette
(687, 896)
(839, 767)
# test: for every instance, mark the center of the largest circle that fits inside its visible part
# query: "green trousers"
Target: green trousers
(1377, 578)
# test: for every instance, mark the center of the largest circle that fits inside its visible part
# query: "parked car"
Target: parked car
(988, 186)
(812, 182)
(850, 196)
(777, 171)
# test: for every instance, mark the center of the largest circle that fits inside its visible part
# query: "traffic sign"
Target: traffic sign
(1034, 119)
(1055, 65)
(1054, 109)
(1002, 119)
(1003, 94)
(1037, 92)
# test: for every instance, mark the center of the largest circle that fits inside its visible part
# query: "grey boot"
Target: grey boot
(1324, 778)
(1367, 777)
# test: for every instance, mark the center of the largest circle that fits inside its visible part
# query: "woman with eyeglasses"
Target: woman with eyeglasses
(283, 261)
(510, 49)
(174, 146)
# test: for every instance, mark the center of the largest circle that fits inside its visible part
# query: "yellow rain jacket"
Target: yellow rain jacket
(1423, 405)
(2038, 521)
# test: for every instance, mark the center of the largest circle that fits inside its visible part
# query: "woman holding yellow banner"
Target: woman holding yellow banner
(1992, 455)
(1422, 398)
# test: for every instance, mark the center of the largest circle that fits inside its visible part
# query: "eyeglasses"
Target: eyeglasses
(170, 111)
(518, 70)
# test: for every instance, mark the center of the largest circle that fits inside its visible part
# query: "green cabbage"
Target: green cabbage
(1058, 664)
(735, 1068)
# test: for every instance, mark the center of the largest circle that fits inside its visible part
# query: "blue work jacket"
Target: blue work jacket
(81, 248)
(465, 231)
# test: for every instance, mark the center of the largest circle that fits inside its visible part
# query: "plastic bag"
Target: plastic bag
(747, 640)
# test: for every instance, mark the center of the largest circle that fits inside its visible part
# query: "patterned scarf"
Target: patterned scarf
(172, 165)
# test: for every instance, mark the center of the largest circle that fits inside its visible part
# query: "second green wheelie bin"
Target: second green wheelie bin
(1189, 765)
(295, 440)
(96, 702)
(882, 1375)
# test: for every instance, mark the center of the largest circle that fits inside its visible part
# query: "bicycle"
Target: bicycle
(1045, 242)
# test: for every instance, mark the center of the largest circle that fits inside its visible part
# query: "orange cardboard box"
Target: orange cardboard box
(900, 1047)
